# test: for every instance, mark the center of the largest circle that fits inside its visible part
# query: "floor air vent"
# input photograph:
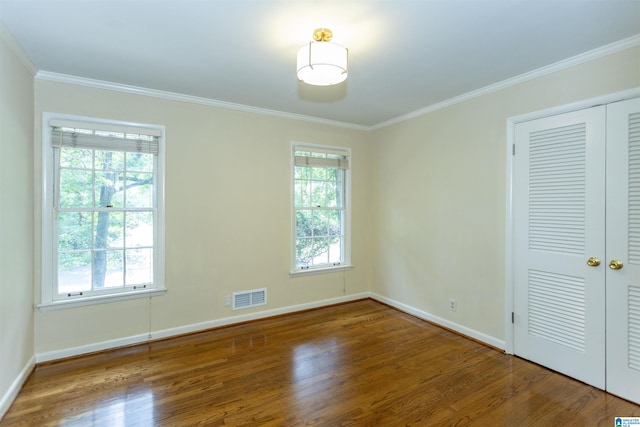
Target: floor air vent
(248, 299)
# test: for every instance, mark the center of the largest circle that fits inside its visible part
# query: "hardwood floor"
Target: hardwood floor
(356, 364)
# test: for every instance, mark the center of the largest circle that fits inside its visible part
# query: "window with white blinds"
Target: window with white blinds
(102, 210)
(321, 207)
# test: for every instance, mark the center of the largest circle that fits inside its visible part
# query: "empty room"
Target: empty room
(293, 212)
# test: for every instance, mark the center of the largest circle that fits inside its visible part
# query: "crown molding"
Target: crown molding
(15, 47)
(539, 72)
(101, 84)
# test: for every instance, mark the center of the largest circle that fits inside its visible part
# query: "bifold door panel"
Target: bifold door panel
(559, 214)
(622, 262)
(576, 214)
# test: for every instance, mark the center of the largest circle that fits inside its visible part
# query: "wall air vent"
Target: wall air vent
(248, 299)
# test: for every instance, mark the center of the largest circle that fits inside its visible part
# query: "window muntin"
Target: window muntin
(320, 222)
(105, 212)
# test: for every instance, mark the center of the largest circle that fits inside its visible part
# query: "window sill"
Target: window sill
(101, 299)
(312, 271)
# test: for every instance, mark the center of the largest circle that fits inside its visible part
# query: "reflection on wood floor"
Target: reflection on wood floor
(356, 364)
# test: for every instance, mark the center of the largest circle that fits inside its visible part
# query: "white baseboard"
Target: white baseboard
(16, 386)
(91, 348)
(487, 339)
(195, 327)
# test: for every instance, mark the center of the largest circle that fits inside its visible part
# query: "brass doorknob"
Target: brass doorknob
(615, 264)
(593, 262)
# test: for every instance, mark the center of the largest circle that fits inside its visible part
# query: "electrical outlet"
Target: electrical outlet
(227, 300)
(453, 305)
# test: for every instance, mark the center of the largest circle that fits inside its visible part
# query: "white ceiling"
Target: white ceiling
(404, 55)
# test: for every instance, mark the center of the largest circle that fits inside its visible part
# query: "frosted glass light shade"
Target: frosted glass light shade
(322, 63)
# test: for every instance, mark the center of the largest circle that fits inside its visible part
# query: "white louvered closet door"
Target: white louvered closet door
(559, 223)
(623, 244)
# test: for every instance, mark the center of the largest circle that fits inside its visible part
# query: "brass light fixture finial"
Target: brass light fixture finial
(322, 35)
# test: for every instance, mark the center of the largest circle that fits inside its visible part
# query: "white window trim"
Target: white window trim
(321, 270)
(346, 264)
(48, 271)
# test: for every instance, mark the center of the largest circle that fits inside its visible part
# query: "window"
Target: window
(103, 222)
(321, 208)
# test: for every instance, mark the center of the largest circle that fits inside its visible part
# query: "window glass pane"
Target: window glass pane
(74, 272)
(335, 222)
(117, 201)
(79, 158)
(335, 250)
(318, 193)
(338, 198)
(108, 230)
(74, 230)
(303, 223)
(108, 269)
(76, 188)
(110, 160)
(139, 190)
(333, 195)
(139, 266)
(303, 193)
(108, 189)
(108, 133)
(304, 247)
(139, 162)
(320, 251)
(109, 178)
(318, 174)
(311, 251)
(302, 172)
(139, 229)
(320, 223)
(77, 130)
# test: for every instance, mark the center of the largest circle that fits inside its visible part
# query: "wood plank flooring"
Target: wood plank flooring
(356, 364)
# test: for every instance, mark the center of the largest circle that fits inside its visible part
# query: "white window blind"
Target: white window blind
(104, 140)
(320, 157)
(320, 162)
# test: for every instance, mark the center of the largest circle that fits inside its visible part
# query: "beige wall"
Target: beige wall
(439, 194)
(429, 206)
(16, 222)
(228, 215)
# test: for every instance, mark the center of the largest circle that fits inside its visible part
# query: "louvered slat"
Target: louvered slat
(634, 189)
(557, 308)
(634, 327)
(557, 189)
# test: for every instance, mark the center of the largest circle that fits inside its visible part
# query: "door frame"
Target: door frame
(509, 234)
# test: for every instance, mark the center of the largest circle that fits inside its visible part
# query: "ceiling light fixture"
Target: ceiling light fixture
(322, 63)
